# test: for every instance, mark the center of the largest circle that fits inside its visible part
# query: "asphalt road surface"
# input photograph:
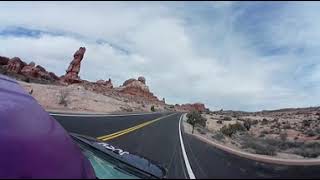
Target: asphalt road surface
(156, 137)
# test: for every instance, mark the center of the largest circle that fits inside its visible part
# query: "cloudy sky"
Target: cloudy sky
(231, 55)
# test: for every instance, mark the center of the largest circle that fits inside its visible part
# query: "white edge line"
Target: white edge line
(185, 157)
(97, 115)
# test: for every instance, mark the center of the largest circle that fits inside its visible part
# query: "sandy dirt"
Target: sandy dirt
(78, 99)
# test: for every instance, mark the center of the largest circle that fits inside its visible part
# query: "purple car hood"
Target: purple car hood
(32, 143)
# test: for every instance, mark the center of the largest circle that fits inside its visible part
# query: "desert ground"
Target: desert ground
(75, 98)
(284, 133)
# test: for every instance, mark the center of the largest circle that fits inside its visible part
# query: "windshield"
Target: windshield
(102, 167)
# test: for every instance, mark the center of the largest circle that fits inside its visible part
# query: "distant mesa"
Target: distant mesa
(189, 107)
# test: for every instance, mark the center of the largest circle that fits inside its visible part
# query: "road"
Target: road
(156, 137)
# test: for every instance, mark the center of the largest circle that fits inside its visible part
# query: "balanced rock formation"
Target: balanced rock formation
(72, 73)
(189, 107)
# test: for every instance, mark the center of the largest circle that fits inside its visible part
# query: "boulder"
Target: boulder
(142, 79)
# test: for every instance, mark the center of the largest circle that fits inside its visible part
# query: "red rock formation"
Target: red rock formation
(128, 81)
(189, 107)
(15, 65)
(73, 70)
(30, 70)
(4, 60)
(107, 84)
(137, 88)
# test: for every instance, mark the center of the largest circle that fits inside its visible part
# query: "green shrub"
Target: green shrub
(308, 152)
(259, 146)
(283, 136)
(264, 121)
(306, 123)
(227, 118)
(248, 123)
(195, 118)
(201, 131)
(152, 108)
(231, 129)
(63, 97)
(218, 136)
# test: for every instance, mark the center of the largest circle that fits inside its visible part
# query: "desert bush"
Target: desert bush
(283, 136)
(306, 123)
(264, 121)
(230, 129)
(218, 136)
(152, 108)
(64, 93)
(307, 152)
(219, 122)
(310, 133)
(247, 124)
(201, 131)
(258, 146)
(226, 118)
(287, 126)
(195, 118)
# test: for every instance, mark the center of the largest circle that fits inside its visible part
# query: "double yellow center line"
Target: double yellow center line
(125, 131)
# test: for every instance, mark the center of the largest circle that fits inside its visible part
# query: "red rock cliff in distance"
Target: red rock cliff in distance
(189, 107)
(18, 68)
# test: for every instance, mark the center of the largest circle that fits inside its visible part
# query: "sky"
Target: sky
(246, 56)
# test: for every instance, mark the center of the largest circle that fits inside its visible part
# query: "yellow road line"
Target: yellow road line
(113, 134)
(125, 131)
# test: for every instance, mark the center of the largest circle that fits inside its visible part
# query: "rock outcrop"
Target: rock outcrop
(107, 84)
(72, 73)
(4, 60)
(30, 70)
(189, 107)
(137, 88)
(17, 68)
(15, 65)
